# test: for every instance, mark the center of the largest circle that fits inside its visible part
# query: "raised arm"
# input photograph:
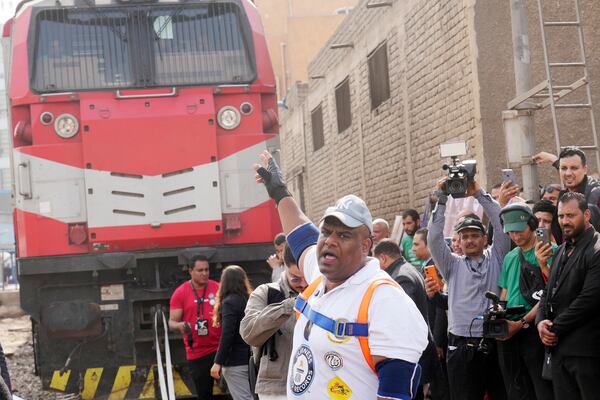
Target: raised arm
(442, 256)
(303, 232)
(501, 241)
(270, 174)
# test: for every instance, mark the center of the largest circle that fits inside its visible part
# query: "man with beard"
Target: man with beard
(410, 223)
(568, 320)
(521, 354)
(572, 168)
(470, 372)
(333, 356)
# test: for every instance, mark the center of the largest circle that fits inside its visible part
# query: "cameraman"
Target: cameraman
(470, 373)
(521, 353)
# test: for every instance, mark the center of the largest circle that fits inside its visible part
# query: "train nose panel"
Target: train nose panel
(151, 170)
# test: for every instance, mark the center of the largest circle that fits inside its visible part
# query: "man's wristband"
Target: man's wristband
(556, 164)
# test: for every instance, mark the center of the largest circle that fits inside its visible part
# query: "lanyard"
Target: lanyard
(199, 301)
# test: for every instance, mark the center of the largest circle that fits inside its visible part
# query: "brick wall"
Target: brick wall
(389, 156)
(451, 75)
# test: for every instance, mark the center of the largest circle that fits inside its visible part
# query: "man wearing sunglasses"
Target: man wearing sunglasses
(551, 192)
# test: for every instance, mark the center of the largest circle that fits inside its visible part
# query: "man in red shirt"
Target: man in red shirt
(192, 307)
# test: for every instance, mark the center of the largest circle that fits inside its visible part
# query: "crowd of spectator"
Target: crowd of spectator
(509, 300)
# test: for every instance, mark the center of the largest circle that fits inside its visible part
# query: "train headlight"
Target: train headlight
(228, 118)
(66, 126)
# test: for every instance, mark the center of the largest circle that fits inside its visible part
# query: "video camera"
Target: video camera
(460, 174)
(495, 324)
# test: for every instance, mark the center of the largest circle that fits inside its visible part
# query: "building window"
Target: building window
(379, 79)
(343, 105)
(316, 118)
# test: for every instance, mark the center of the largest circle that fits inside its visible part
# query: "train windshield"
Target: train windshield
(141, 47)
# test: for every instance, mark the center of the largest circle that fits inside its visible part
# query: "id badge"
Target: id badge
(202, 327)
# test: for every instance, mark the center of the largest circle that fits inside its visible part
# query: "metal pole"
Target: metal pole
(523, 83)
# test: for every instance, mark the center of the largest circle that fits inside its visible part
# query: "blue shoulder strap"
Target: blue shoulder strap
(340, 327)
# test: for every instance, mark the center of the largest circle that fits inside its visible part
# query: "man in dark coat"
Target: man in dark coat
(411, 281)
(568, 320)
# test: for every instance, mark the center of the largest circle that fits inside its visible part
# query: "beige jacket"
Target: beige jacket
(260, 322)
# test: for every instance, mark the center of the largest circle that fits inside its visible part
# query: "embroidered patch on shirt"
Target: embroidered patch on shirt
(303, 370)
(338, 390)
(334, 360)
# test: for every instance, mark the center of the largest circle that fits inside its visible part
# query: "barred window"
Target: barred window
(343, 105)
(379, 79)
(141, 46)
(316, 118)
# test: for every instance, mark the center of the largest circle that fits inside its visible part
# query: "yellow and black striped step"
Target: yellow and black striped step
(124, 382)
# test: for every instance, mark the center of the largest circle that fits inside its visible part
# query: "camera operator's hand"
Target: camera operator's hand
(270, 174)
(544, 158)
(431, 287)
(507, 192)
(441, 184)
(473, 188)
(547, 337)
(513, 328)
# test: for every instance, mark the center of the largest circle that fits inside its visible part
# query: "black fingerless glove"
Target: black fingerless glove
(274, 182)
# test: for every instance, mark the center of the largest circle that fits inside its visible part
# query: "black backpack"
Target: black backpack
(268, 348)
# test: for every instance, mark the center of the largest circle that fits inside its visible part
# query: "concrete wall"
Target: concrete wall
(451, 75)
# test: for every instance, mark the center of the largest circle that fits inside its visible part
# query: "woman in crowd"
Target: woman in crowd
(233, 353)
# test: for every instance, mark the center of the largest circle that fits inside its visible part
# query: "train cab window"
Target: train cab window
(206, 44)
(81, 50)
(141, 46)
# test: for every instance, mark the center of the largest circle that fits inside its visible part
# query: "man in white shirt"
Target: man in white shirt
(328, 358)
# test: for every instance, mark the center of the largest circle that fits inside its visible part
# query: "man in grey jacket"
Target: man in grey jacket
(472, 362)
(269, 327)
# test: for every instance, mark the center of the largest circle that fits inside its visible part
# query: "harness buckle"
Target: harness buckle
(340, 325)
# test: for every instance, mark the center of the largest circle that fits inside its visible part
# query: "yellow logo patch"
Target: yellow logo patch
(338, 390)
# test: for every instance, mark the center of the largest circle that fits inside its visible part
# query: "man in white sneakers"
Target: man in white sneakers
(338, 350)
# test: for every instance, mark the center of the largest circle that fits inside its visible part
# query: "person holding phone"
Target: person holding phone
(522, 281)
(436, 312)
(544, 211)
(390, 259)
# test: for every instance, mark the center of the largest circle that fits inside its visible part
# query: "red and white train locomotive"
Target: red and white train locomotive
(134, 127)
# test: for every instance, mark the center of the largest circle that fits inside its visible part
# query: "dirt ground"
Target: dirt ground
(15, 337)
